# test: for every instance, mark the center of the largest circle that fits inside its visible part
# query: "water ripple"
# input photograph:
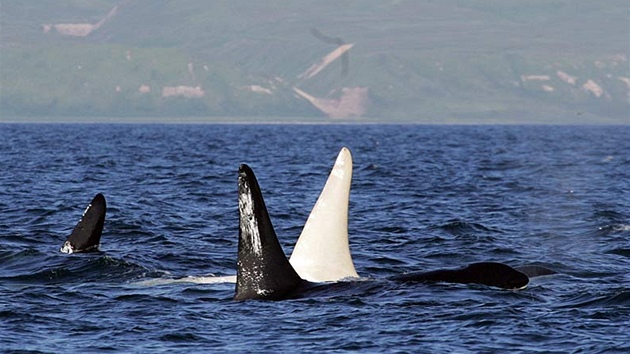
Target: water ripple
(423, 197)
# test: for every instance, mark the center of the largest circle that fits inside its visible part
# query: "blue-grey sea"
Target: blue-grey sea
(423, 197)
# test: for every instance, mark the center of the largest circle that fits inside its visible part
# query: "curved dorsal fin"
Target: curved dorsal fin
(322, 252)
(262, 270)
(86, 235)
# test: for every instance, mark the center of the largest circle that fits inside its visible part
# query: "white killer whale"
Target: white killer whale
(86, 235)
(265, 273)
(322, 252)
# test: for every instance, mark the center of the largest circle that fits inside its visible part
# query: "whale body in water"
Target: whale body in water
(265, 273)
(322, 252)
(86, 235)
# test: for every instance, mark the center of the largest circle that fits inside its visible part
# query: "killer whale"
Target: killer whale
(262, 269)
(86, 235)
(487, 273)
(322, 252)
(265, 273)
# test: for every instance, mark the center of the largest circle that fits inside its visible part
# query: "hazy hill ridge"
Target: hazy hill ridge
(424, 61)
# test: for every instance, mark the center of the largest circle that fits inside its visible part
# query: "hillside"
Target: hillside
(419, 61)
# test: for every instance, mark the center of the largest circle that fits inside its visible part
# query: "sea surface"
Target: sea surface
(422, 198)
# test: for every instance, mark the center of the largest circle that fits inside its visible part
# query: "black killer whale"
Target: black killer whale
(86, 235)
(265, 273)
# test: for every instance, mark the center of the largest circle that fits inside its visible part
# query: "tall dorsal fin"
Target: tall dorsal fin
(322, 252)
(86, 235)
(263, 271)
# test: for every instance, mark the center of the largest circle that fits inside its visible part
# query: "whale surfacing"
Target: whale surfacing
(487, 273)
(86, 235)
(265, 273)
(262, 269)
(322, 252)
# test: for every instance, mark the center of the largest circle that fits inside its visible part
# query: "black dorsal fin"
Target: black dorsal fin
(86, 235)
(263, 270)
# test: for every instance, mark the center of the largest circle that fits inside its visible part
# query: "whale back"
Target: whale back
(486, 273)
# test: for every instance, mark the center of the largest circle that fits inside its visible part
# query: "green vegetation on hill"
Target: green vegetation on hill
(422, 61)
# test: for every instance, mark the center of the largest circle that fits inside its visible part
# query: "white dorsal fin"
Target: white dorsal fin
(322, 252)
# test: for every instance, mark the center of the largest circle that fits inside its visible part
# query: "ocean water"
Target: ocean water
(422, 198)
